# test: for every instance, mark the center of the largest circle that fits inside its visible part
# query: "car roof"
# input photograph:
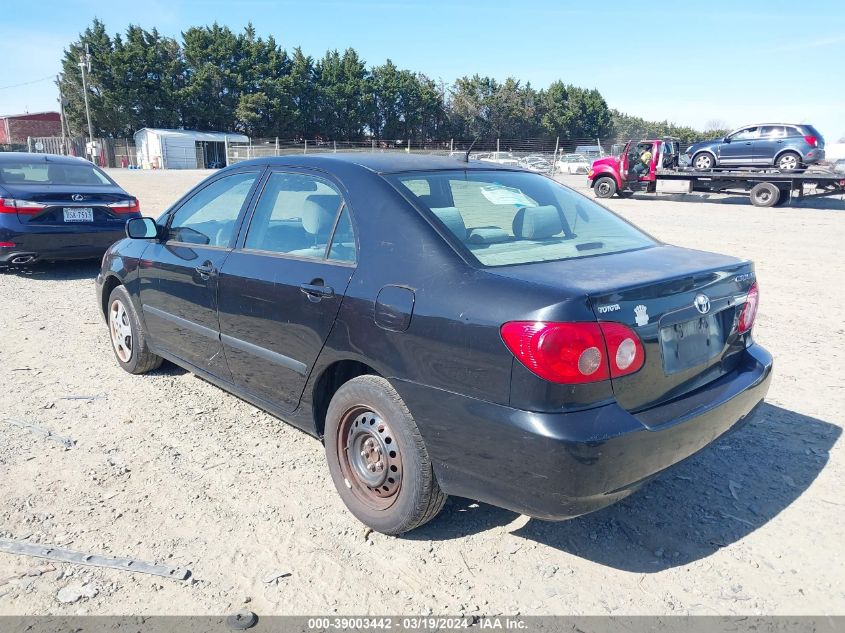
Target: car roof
(376, 162)
(28, 157)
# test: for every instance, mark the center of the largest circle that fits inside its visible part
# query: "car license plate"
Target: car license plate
(79, 214)
(685, 345)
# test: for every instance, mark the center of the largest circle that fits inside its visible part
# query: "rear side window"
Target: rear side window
(776, 131)
(43, 173)
(503, 218)
(297, 214)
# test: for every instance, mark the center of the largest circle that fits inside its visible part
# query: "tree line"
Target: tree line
(215, 79)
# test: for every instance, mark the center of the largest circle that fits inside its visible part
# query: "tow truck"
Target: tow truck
(661, 172)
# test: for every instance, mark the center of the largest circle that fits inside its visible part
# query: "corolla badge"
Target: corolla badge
(77, 197)
(641, 315)
(702, 303)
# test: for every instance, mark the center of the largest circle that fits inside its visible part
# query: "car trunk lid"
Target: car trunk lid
(683, 304)
(47, 205)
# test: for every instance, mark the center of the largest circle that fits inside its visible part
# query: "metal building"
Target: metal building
(183, 149)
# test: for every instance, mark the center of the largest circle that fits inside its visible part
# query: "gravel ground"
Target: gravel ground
(167, 468)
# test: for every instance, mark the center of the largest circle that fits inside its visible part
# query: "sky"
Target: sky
(691, 63)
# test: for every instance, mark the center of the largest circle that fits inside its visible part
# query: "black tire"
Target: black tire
(130, 349)
(765, 194)
(604, 187)
(703, 161)
(789, 161)
(366, 413)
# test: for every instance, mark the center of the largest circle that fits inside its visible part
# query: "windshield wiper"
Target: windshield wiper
(588, 246)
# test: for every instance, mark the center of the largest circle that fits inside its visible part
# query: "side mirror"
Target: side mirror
(727, 139)
(141, 228)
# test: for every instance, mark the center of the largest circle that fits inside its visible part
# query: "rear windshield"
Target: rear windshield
(41, 173)
(503, 218)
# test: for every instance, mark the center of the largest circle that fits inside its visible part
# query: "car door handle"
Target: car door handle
(748, 143)
(316, 291)
(206, 270)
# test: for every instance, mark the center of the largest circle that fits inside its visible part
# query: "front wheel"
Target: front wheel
(605, 187)
(127, 336)
(377, 458)
(703, 161)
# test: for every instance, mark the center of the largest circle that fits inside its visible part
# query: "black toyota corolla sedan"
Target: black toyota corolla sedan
(58, 207)
(445, 327)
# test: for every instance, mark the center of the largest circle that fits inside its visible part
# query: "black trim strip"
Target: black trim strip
(266, 354)
(191, 325)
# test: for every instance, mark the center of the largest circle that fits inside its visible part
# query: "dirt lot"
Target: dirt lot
(168, 468)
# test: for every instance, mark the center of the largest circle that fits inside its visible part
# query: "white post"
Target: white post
(408, 149)
(335, 146)
(226, 148)
(277, 146)
(497, 148)
(305, 148)
(554, 158)
(451, 145)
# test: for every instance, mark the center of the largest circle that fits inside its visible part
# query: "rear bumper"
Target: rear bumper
(57, 242)
(814, 156)
(558, 466)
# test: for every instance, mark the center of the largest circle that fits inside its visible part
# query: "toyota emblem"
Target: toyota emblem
(77, 197)
(702, 303)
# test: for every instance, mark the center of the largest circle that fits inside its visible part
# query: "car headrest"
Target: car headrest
(434, 202)
(318, 213)
(536, 223)
(453, 220)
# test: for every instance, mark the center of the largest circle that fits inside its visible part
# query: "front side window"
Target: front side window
(747, 134)
(503, 218)
(296, 215)
(209, 217)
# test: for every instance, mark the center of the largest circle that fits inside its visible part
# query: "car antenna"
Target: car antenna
(471, 145)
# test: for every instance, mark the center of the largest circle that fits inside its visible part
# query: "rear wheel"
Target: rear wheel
(127, 337)
(605, 187)
(703, 160)
(765, 194)
(788, 161)
(377, 458)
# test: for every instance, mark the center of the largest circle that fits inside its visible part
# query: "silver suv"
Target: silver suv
(782, 145)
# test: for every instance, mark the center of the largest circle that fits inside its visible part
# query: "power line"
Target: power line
(27, 83)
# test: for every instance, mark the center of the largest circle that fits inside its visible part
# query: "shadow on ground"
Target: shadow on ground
(56, 271)
(716, 498)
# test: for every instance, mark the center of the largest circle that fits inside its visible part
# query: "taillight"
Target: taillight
(559, 352)
(7, 244)
(126, 206)
(749, 310)
(812, 140)
(572, 353)
(624, 349)
(24, 207)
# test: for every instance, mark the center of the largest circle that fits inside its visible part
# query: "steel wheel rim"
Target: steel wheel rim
(120, 328)
(369, 458)
(788, 162)
(604, 188)
(764, 195)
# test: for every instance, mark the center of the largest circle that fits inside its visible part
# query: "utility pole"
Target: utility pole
(85, 64)
(63, 119)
